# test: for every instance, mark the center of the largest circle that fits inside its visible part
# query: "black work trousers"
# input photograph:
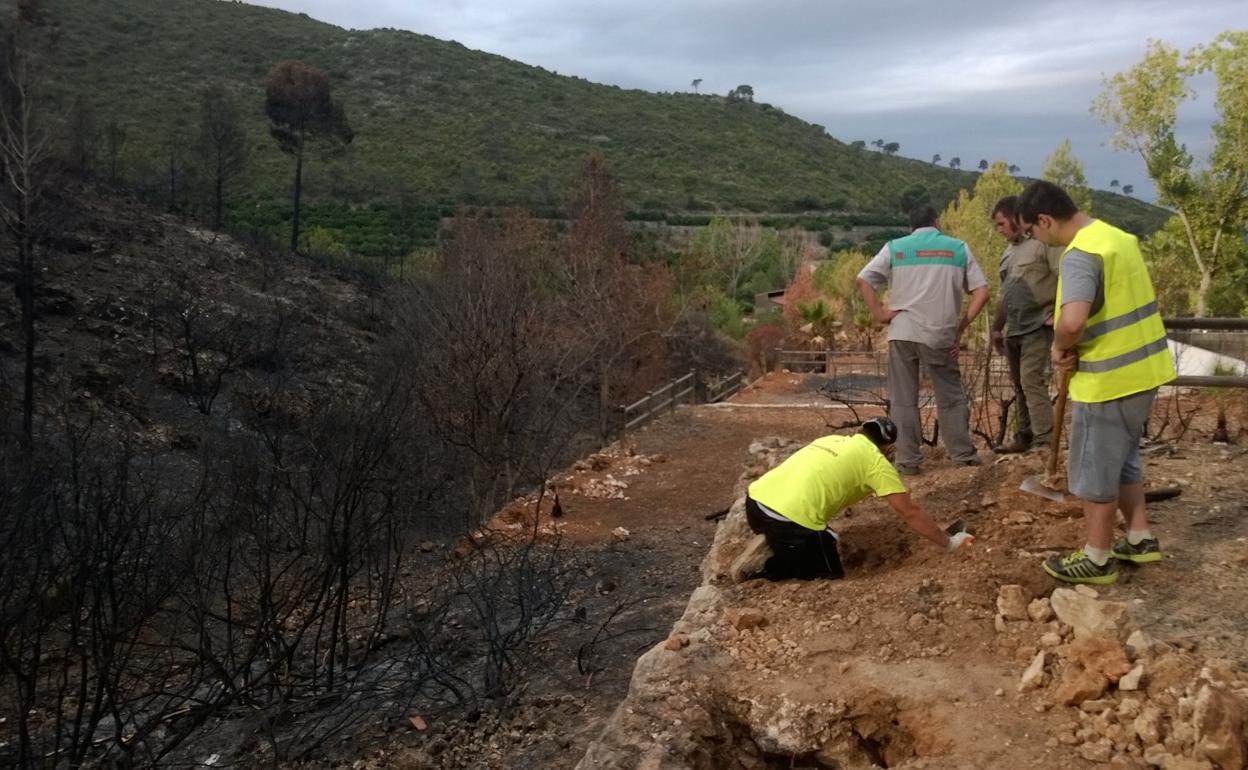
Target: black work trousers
(798, 552)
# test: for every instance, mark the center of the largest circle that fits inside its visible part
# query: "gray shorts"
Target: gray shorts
(1105, 445)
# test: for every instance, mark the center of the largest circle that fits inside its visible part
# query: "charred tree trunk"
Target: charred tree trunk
(294, 225)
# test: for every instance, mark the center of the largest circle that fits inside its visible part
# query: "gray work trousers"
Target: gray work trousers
(951, 407)
(1028, 357)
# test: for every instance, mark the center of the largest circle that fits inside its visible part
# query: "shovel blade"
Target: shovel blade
(1035, 485)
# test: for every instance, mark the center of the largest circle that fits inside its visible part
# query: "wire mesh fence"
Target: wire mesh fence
(1211, 357)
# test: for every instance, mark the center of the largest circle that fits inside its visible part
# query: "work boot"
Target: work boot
(970, 462)
(1015, 447)
(1078, 568)
(751, 561)
(1142, 552)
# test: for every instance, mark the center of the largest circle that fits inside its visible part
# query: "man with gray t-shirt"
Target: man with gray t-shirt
(1108, 334)
(927, 273)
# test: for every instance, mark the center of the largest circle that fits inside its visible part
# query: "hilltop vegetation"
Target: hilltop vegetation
(437, 123)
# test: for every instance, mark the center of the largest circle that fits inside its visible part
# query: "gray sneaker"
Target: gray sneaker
(1078, 568)
(1142, 552)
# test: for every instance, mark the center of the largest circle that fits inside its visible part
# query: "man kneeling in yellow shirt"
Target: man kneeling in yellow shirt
(791, 504)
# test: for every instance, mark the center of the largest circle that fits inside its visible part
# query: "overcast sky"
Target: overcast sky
(959, 77)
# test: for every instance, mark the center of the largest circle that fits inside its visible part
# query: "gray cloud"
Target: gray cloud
(959, 77)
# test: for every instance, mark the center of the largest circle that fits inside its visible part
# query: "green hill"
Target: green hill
(438, 123)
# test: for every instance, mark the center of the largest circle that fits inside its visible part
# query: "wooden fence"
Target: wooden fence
(687, 389)
(725, 388)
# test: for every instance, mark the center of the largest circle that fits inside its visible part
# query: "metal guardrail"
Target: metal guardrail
(1208, 325)
(1216, 324)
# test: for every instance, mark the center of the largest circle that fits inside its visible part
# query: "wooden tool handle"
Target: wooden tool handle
(1059, 417)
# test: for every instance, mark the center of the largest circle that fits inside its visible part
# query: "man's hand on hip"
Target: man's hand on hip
(885, 316)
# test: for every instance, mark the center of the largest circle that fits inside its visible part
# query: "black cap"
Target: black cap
(881, 430)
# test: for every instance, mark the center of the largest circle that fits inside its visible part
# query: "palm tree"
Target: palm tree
(935, 159)
(696, 82)
(983, 165)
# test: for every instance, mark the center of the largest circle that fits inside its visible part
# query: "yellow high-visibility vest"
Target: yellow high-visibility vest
(817, 482)
(1123, 349)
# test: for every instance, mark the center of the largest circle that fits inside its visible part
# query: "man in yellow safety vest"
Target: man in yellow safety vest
(1108, 333)
(791, 504)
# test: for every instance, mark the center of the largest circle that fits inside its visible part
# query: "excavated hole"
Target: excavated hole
(874, 547)
(866, 741)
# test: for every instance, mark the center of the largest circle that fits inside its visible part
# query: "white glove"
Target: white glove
(959, 540)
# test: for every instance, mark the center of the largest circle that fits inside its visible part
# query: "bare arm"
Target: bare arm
(917, 519)
(1067, 331)
(998, 328)
(879, 312)
(979, 298)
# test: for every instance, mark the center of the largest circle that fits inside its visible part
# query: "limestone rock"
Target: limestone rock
(1101, 655)
(1079, 684)
(676, 641)
(1126, 762)
(1139, 643)
(621, 534)
(1012, 602)
(1148, 726)
(1098, 706)
(751, 560)
(1097, 751)
(1019, 517)
(1033, 677)
(1089, 617)
(1040, 610)
(743, 618)
(1219, 721)
(1132, 679)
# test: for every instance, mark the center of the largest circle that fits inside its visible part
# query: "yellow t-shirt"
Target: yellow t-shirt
(825, 477)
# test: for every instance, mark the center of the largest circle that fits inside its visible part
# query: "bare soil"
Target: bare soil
(910, 633)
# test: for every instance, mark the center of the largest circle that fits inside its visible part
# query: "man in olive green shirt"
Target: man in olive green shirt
(1022, 330)
(791, 504)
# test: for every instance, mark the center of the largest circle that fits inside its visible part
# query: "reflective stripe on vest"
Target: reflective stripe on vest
(1123, 348)
(1119, 322)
